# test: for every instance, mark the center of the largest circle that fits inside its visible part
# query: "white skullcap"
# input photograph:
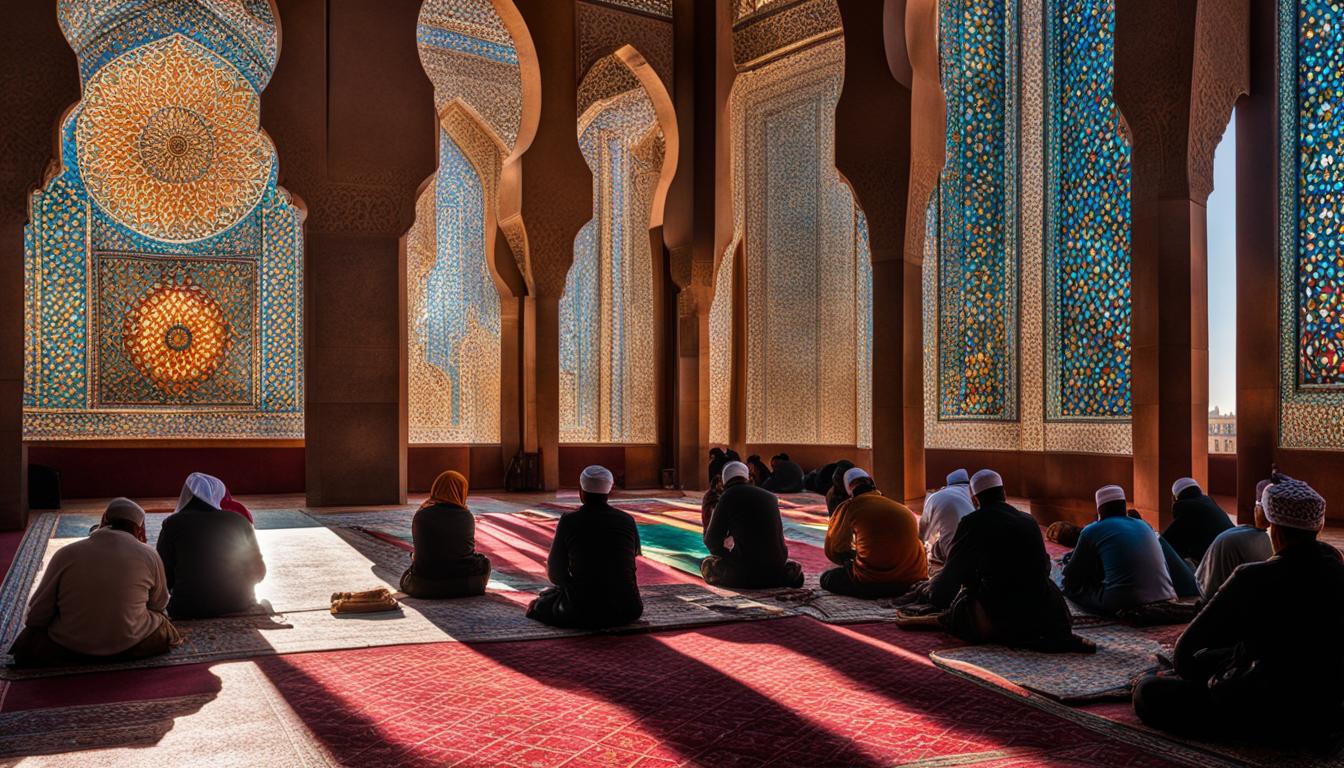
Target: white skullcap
(853, 476)
(958, 477)
(1178, 487)
(735, 469)
(201, 486)
(125, 509)
(596, 479)
(1294, 504)
(1108, 493)
(984, 480)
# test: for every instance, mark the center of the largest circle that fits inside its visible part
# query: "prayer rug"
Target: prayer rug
(1123, 654)
(245, 710)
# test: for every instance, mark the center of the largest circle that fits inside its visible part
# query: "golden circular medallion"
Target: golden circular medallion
(177, 336)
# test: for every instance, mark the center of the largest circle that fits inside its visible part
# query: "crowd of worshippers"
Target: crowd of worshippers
(1263, 654)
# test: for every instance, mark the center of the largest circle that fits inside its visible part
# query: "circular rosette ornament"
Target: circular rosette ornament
(177, 336)
(169, 141)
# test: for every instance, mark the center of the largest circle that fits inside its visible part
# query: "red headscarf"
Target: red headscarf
(228, 503)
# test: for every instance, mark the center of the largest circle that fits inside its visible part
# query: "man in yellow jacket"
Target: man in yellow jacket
(875, 542)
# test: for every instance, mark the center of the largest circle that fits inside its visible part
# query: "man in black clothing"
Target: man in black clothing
(592, 563)
(210, 555)
(995, 586)
(759, 558)
(1196, 520)
(1264, 659)
(786, 476)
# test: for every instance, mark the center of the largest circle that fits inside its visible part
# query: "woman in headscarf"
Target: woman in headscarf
(446, 563)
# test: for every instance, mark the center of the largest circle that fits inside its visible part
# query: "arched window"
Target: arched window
(163, 266)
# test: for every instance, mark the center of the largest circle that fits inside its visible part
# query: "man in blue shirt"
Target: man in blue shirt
(1119, 562)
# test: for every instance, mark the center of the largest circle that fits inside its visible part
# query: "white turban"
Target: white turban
(735, 469)
(201, 486)
(1178, 487)
(596, 479)
(1108, 493)
(124, 509)
(853, 476)
(984, 480)
(958, 477)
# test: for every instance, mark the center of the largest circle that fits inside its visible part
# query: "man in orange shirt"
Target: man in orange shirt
(875, 542)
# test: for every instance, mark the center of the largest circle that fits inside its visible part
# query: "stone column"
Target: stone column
(352, 115)
(1174, 101)
(40, 81)
(872, 153)
(554, 198)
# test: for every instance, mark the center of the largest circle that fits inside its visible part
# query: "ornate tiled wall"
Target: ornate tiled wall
(1053, 309)
(163, 266)
(1311, 291)
(607, 385)
(469, 55)
(808, 323)
(764, 30)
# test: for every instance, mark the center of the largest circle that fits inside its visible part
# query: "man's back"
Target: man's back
(785, 477)
(212, 561)
(1232, 548)
(101, 594)
(943, 511)
(1131, 558)
(750, 515)
(1196, 522)
(597, 546)
(885, 539)
(997, 551)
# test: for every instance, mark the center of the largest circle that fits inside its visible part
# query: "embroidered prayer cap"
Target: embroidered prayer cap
(199, 485)
(984, 480)
(124, 509)
(853, 476)
(596, 479)
(735, 469)
(1178, 487)
(1294, 504)
(958, 477)
(1109, 493)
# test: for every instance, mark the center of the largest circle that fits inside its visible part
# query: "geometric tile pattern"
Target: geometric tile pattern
(607, 385)
(469, 55)
(807, 345)
(977, 259)
(1087, 219)
(1311, 269)
(162, 264)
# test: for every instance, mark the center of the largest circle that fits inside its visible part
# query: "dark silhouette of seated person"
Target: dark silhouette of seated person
(1119, 562)
(101, 599)
(759, 558)
(875, 542)
(837, 493)
(210, 555)
(1196, 520)
(996, 586)
(760, 473)
(446, 563)
(1264, 659)
(786, 476)
(592, 563)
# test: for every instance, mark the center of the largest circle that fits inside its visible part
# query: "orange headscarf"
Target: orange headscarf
(449, 488)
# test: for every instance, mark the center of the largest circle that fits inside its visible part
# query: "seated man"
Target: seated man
(210, 555)
(996, 587)
(837, 493)
(1196, 520)
(1242, 544)
(101, 599)
(591, 563)
(759, 558)
(1264, 659)
(943, 511)
(875, 541)
(1119, 562)
(786, 476)
(445, 562)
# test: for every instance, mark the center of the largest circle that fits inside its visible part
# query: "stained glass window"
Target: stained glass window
(163, 265)
(977, 257)
(607, 387)
(1087, 214)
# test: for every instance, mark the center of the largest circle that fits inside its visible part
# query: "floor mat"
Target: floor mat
(1123, 654)
(198, 729)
